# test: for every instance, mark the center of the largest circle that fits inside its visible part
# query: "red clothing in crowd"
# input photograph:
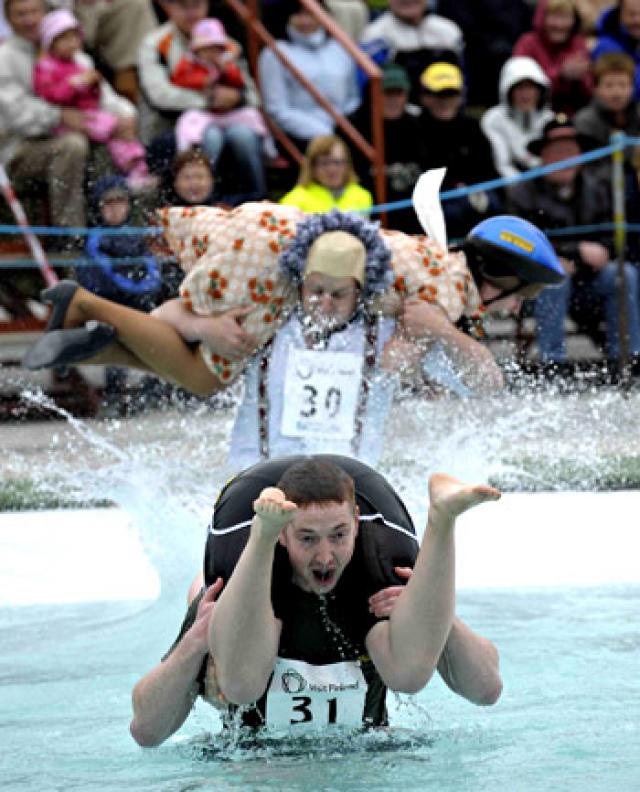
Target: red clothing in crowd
(566, 95)
(194, 74)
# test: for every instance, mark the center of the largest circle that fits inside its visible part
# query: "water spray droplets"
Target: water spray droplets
(343, 645)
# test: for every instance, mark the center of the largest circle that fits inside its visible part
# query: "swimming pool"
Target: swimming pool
(90, 600)
(569, 716)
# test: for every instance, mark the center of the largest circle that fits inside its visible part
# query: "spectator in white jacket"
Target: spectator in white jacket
(28, 147)
(5, 30)
(519, 118)
(413, 36)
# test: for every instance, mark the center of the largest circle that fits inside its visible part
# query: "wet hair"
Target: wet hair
(189, 157)
(613, 62)
(314, 482)
(321, 146)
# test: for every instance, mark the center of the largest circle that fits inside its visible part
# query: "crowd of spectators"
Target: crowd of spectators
(485, 88)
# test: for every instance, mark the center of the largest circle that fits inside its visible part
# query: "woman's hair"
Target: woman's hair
(320, 147)
(613, 62)
(566, 6)
(193, 155)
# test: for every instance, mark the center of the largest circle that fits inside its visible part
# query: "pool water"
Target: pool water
(91, 599)
(569, 716)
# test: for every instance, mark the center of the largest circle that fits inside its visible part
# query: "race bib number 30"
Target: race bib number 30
(321, 394)
(306, 696)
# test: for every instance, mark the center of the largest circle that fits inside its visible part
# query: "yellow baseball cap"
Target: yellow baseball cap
(442, 76)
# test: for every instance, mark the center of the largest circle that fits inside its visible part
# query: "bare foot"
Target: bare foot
(449, 497)
(273, 511)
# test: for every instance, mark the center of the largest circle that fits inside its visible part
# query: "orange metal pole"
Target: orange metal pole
(253, 45)
(377, 136)
(248, 13)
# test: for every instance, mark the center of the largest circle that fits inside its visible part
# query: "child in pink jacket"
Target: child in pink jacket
(65, 75)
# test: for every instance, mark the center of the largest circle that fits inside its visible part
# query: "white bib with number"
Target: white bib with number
(321, 394)
(307, 696)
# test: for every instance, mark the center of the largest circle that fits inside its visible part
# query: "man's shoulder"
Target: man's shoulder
(468, 128)
(385, 24)
(166, 32)
(15, 52)
(444, 28)
(497, 114)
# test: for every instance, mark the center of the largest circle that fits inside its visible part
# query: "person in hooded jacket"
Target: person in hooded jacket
(121, 267)
(520, 117)
(618, 30)
(323, 62)
(557, 44)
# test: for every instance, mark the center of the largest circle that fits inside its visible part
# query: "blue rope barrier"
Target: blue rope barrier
(630, 228)
(448, 195)
(70, 231)
(506, 181)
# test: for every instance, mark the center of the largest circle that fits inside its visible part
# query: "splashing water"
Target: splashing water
(527, 441)
(165, 468)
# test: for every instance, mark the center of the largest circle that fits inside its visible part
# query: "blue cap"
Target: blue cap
(509, 245)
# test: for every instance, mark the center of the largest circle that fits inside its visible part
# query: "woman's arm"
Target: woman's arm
(223, 333)
(471, 361)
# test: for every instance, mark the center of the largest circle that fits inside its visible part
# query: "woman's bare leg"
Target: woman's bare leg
(155, 346)
(117, 355)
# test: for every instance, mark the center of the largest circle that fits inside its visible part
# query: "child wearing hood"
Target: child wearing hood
(65, 75)
(519, 118)
(121, 267)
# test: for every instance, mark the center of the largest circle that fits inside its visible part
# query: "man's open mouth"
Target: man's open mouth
(323, 576)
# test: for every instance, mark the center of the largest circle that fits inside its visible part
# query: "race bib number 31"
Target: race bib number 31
(321, 394)
(306, 696)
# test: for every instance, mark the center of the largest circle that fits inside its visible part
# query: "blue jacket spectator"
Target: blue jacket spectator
(414, 37)
(136, 282)
(618, 30)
